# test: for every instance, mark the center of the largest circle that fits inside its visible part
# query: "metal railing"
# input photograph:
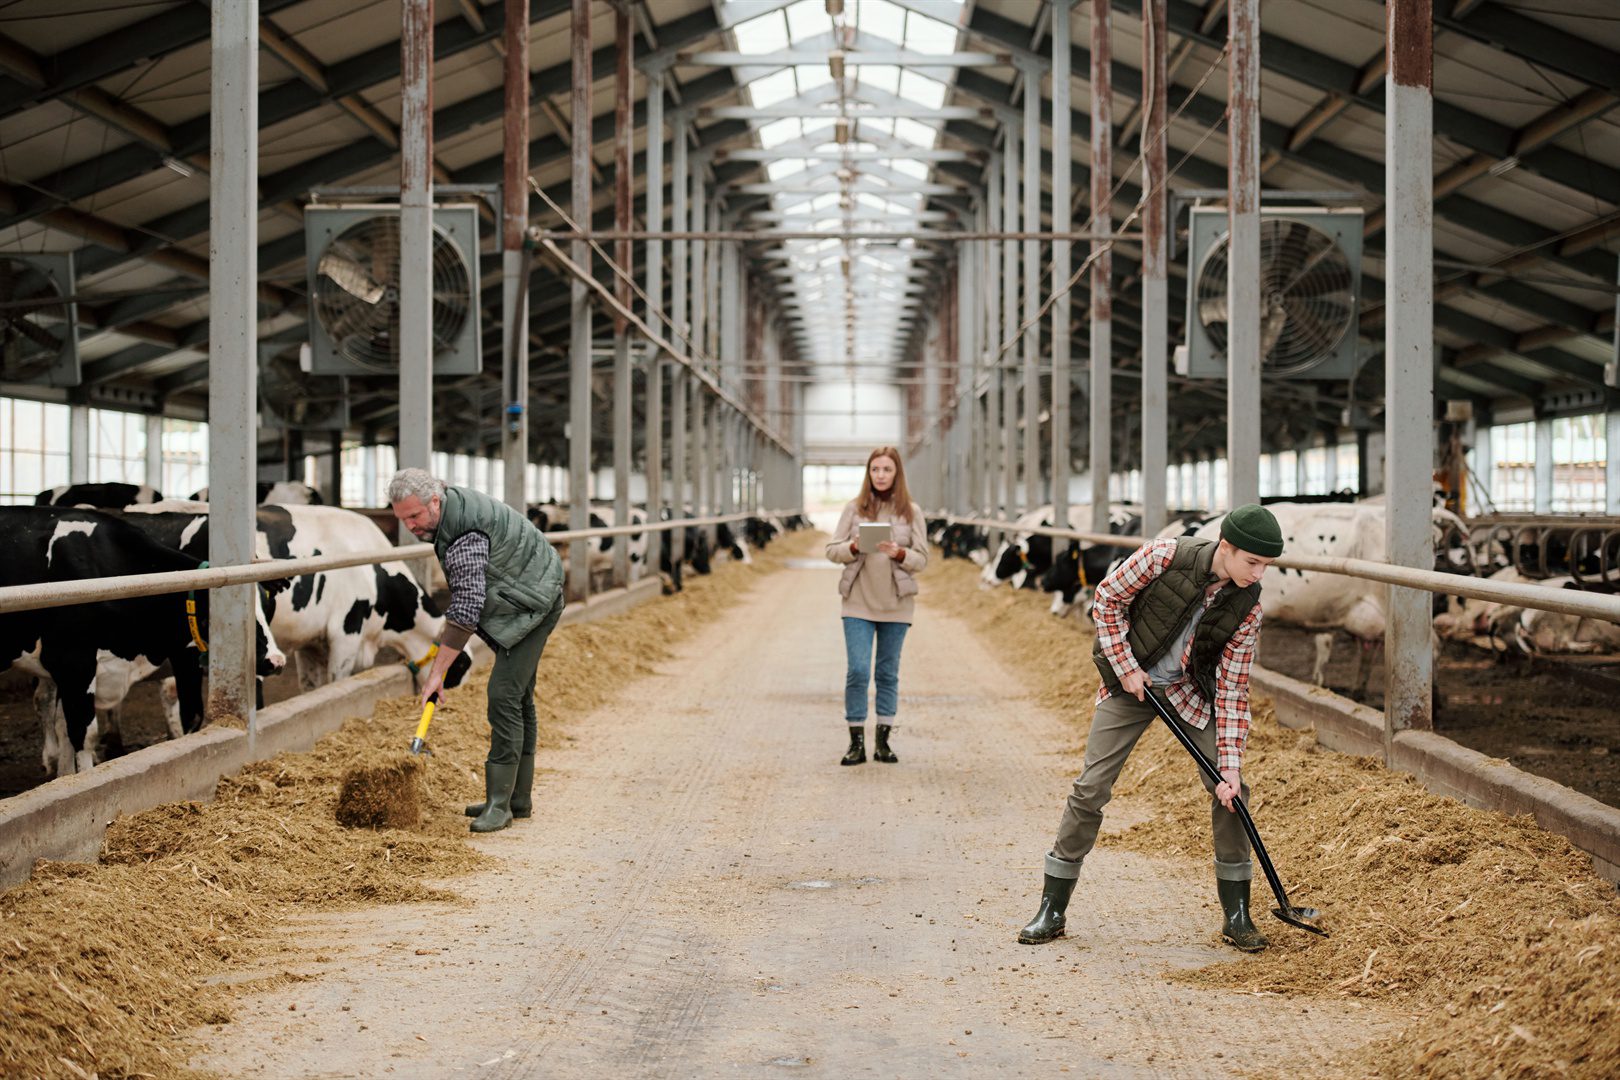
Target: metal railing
(1564, 601)
(88, 590)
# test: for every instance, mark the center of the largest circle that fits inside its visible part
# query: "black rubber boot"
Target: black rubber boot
(522, 791)
(856, 754)
(1048, 923)
(498, 783)
(1237, 929)
(881, 751)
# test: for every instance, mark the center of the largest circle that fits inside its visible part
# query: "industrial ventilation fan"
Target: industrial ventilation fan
(39, 338)
(1310, 290)
(291, 397)
(353, 256)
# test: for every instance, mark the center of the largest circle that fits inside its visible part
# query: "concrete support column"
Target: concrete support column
(331, 484)
(679, 377)
(1409, 359)
(78, 444)
(370, 474)
(1102, 271)
(1032, 288)
(154, 450)
(1544, 465)
(416, 239)
(654, 284)
(1611, 465)
(514, 223)
(623, 382)
(700, 254)
(1243, 264)
(1062, 164)
(1009, 320)
(1155, 275)
(579, 342)
(994, 334)
(233, 413)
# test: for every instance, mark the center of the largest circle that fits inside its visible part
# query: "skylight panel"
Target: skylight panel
(807, 18)
(929, 93)
(773, 88)
(912, 131)
(812, 76)
(869, 127)
(778, 132)
(929, 35)
(866, 198)
(817, 126)
(821, 202)
(881, 18)
(768, 33)
(910, 167)
(880, 76)
(783, 168)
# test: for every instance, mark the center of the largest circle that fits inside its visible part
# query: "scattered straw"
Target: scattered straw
(1500, 929)
(105, 968)
(382, 795)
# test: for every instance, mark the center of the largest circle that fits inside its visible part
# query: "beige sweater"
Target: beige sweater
(882, 589)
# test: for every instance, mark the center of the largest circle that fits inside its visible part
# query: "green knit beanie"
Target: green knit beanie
(1254, 529)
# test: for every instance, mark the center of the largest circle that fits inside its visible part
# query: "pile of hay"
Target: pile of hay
(382, 795)
(1500, 929)
(104, 968)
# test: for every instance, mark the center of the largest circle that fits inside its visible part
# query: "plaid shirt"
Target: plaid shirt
(1231, 707)
(465, 562)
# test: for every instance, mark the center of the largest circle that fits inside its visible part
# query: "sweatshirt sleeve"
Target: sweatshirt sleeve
(838, 550)
(915, 560)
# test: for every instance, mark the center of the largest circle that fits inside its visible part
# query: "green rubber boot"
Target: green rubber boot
(1048, 923)
(1237, 929)
(522, 792)
(498, 783)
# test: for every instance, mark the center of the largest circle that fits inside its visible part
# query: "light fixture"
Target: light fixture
(841, 131)
(835, 8)
(1506, 165)
(179, 166)
(835, 64)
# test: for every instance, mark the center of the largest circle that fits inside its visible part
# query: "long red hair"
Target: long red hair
(898, 497)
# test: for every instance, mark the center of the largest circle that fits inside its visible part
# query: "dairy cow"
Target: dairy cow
(106, 496)
(71, 646)
(1024, 560)
(1532, 631)
(278, 492)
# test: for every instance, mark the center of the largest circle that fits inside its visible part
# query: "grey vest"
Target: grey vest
(1160, 610)
(525, 576)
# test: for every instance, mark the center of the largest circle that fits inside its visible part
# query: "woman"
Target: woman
(879, 593)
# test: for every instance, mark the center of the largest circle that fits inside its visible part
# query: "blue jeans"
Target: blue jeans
(858, 638)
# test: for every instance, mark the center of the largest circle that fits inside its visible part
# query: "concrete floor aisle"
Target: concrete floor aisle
(703, 890)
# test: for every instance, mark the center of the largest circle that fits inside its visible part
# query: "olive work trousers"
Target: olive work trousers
(513, 725)
(1116, 725)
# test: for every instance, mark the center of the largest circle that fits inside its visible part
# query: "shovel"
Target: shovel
(419, 740)
(1305, 918)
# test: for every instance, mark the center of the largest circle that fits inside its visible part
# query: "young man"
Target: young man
(1180, 618)
(506, 585)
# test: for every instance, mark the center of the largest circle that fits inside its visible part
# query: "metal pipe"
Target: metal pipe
(1101, 450)
(1243, 262)
(749, 235)
(623, 385)
(579, 381)
(514, 224)
(1009, 318)
(416, 235)
(1062, 198)
(654, 439)
(1155, 275)
(1032, 289)
(233, 344)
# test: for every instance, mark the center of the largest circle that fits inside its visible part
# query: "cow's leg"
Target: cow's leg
(342, 654)
(75, 676)
(52, 728)
(1365, 658)
(312, 667)
(1324, 652)
(169, 695)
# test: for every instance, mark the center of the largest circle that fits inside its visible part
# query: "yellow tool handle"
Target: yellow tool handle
(427, 718)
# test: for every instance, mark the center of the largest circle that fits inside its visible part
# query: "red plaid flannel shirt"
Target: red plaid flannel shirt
(1231, 706)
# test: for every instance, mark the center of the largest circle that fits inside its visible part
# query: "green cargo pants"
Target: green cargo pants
(513, 725)
(1117, 724)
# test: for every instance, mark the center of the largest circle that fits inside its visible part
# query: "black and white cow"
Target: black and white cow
(1082, 564)
(1026, 557)
(1532, 631)
(73, 646)
(277, 492)
(110, 496)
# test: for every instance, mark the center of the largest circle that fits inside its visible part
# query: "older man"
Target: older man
(506, 585)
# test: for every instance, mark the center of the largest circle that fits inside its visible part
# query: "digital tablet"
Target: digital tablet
(873, 533)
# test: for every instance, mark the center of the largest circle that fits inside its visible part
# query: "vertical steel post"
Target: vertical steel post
(233, 414)
(1062, 181)
(1009, 315)
(1155, 275)
(624, 96)
(678, 426)
(700, 253)
(332, 476)
(1032, 288)
(679, 277)
(1102, 270)
(416, 238)
(1243, 265)
(78, 444)
(994, 334)
(1543, 474)
(370, 475)
(154, 450)
(1611, 465)
(655, 304)
(965, 427)
(579, 342)
(1409, 359)
(514, 224)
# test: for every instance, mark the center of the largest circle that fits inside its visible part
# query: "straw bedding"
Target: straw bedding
(104, 968)
(1496, 936)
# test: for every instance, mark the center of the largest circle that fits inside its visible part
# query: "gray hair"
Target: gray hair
(419, 482)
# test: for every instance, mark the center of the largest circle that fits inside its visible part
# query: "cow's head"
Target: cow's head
(1064, 575)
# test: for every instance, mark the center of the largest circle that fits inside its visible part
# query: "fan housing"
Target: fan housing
(39, 324)
(291, 397)
(1310, 292)
(352, 256)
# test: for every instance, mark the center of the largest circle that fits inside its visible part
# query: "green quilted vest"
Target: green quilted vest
(1159, 612)
(525, 576)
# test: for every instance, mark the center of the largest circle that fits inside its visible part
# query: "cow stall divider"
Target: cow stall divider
(64, 819)
(1441, 765)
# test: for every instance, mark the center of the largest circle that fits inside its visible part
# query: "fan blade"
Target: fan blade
(38, 335)
(1272, 322)
(351, 277)
(1213, 310)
